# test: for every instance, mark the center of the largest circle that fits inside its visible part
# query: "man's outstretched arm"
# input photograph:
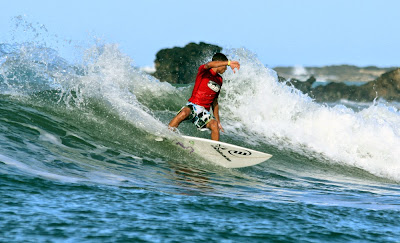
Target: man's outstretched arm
(216, 64)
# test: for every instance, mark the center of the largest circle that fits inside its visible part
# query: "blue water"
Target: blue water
(79, 163)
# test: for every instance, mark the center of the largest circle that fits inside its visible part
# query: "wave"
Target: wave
(108, 97)
(106, 75)
(276, 114)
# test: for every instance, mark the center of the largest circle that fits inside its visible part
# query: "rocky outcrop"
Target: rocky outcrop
(334, 73)
(179, 65)
(303, 86)
(387, 86)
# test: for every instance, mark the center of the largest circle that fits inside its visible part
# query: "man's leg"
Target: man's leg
(213, 126)
(182, 115)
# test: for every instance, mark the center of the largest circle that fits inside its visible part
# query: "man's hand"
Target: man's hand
(235, 64)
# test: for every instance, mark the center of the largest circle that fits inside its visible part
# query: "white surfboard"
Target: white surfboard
(224, 154)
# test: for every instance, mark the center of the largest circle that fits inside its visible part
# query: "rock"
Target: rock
(333, 73)
(179, 65)
(333, 92)
(303, 86)
(387, 86)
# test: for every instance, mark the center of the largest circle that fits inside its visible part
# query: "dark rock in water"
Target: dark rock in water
(334, 73)
(303, 86)
(333, 92)
(387, 86)
(179, 65)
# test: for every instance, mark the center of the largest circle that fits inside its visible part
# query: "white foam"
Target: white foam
(148, 69)
(282, 116)
(30, 170)
(299, 70)
(45, 136)
(111, 77)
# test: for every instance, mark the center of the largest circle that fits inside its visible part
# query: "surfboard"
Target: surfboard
(223, 154)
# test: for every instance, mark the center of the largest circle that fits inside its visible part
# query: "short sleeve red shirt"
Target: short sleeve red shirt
(206, 88)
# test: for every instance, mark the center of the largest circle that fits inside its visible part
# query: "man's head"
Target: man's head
(220, 57)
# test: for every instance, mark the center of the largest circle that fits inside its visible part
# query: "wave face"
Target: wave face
(77, 147)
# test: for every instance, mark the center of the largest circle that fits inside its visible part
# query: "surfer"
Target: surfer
(205, 96)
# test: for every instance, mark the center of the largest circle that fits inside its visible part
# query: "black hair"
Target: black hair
(219, 57)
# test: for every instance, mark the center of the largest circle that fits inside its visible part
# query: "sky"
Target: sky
(279, 33)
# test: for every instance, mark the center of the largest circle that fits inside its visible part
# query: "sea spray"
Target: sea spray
(274, 113)
(110, 77)
(105, 75)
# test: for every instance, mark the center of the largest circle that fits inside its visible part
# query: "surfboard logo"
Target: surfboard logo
(239, 153)
(213, 86)
(185, 147)
(219, 149)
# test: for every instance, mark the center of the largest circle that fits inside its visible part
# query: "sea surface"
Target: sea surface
(79, 161)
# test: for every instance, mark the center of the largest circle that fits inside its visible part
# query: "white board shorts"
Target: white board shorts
(199, 115)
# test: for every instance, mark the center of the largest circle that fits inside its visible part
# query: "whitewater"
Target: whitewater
(79, 160)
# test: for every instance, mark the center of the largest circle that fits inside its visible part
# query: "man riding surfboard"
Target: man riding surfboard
(205, 95)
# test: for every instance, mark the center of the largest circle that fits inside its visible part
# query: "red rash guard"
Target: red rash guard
(206, 88)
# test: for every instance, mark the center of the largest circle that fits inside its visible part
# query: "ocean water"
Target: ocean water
(79, 163)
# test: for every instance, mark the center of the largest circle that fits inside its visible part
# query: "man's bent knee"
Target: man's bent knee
(212, 125)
